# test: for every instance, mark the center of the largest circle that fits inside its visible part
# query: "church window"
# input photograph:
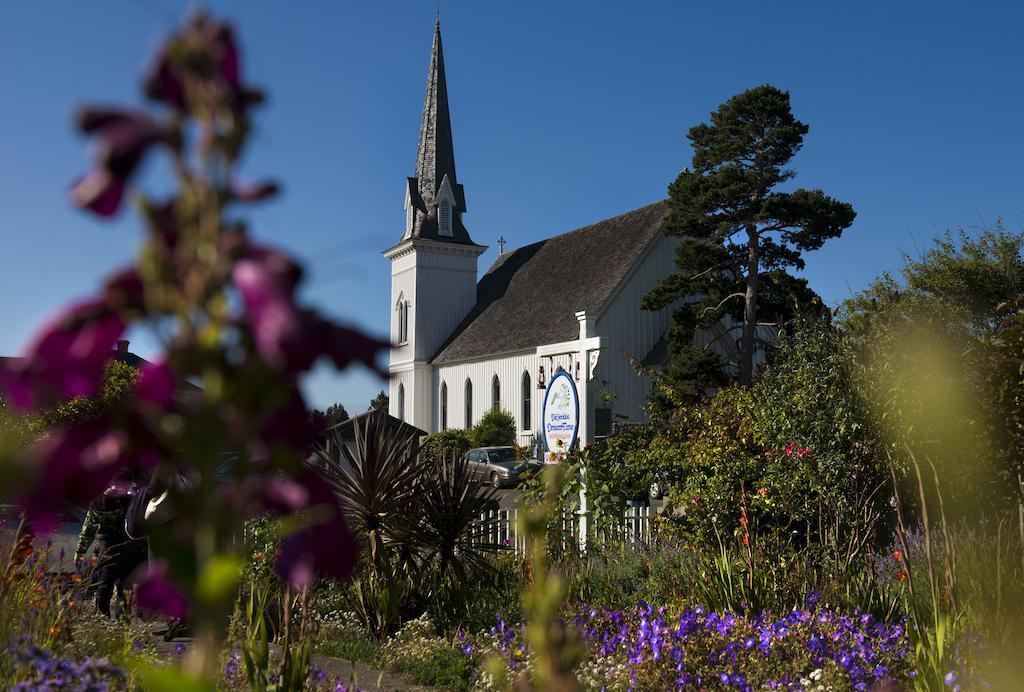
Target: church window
(444, 216)
(401, 402)
(403, 321)
(495, 393)
(410, 215)
(469, 404)
(444, 406)
(527, 409)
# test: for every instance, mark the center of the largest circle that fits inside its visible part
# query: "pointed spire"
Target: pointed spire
(436, 155)
(435, 201)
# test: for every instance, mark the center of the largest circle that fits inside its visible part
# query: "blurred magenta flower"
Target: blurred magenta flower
(288, 338)
(123, 138)
(155, 592)
(324, 547)
(204, 43)
(99, 192)
(156, 385)
(254, 192)
(75, 464)
(67, 358)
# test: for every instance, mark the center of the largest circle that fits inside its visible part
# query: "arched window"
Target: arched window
(527, 415)
(401, 402)
(469, 404)
(495, 393)
(444, 406)
(403, 320)
(444, 217)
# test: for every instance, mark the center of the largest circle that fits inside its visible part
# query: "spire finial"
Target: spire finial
(501, 245)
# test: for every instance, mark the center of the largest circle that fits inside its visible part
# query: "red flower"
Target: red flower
(897, 554)
(789, 450)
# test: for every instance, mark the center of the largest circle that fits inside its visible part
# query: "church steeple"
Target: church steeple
(434, 200)
(435, 157)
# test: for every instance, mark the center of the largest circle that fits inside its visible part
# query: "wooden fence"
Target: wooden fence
(501, 526)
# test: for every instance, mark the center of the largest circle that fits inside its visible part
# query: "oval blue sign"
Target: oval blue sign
(561, 416)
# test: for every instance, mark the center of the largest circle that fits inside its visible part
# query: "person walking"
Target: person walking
(117, 554)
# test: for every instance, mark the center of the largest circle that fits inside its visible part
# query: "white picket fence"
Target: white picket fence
(500, 526)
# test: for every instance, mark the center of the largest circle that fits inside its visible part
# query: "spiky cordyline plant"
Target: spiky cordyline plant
(457, 543)
(378, 484)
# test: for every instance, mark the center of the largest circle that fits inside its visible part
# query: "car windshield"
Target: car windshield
(501, 456)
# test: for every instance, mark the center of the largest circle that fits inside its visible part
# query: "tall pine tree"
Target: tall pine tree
(739, 234)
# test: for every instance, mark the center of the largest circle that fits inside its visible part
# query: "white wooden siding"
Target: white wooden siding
(632, 332)
(509, 369)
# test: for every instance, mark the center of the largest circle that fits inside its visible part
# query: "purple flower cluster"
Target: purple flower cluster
(41, 670)
(197, 260)
(319, 681)
(651, 647)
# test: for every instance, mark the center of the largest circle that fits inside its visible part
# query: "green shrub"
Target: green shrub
(623, 461)
(445, 444)
(497, 428)
(793, 455)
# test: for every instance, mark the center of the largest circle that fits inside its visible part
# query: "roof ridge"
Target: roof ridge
(500, 259)
(530, 295)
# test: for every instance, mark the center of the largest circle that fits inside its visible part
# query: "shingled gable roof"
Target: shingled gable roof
(530, 296)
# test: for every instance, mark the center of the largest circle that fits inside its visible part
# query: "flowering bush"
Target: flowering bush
(793, 456)
(428, 658)
(38, 669)
(650, 647)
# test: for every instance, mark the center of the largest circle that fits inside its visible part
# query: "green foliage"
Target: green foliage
(939, 350)
(425, 657)
(118, 382)
(734, 226)
(444, 668)
(622, 461)
(471, 607)
(380, 402)
(793, 455)
(496, 428)
(961, 281)
(446, 444)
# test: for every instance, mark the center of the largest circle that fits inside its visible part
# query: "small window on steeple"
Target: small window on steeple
(410, 216)
(403, 320)
(444, 218)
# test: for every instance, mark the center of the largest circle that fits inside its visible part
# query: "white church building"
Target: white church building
(571, 302)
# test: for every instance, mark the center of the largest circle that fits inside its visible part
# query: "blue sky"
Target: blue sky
(563, 113)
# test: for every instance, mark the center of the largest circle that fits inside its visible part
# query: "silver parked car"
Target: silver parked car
(499, 466)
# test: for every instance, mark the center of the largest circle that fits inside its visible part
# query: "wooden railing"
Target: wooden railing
(501, 526)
